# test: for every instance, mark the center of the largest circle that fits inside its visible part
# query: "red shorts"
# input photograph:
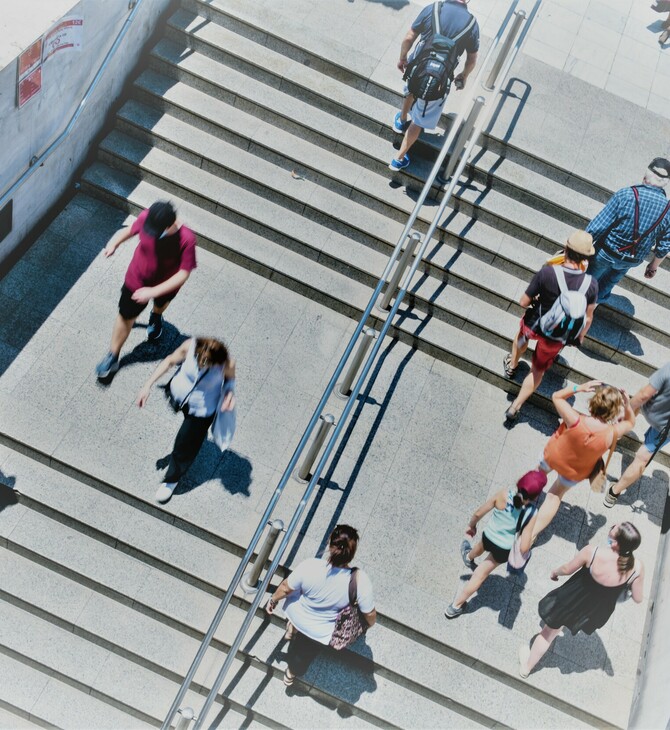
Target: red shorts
(545, 350)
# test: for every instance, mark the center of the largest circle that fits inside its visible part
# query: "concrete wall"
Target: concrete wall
(65, 77)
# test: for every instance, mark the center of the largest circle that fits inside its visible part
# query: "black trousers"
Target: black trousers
(301, 653)
(187, 443)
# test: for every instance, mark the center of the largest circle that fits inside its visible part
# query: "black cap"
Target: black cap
(660, 166)
(161, 216)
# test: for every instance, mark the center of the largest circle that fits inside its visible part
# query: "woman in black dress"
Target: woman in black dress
(587, 600)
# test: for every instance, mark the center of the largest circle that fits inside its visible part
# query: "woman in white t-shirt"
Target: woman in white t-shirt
(315, 592)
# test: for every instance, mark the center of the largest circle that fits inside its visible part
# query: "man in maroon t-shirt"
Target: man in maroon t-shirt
(161, 264)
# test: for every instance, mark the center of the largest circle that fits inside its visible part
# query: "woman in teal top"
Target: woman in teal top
(498, 536)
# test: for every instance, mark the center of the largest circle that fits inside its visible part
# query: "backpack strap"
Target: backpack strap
(560, 278)
(437, 28)
(637, 237)
(563, 284)
(585, 284)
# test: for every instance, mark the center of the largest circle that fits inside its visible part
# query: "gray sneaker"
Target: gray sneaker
(610, 498)
(465, 549)
(452, 612)
(107, 366)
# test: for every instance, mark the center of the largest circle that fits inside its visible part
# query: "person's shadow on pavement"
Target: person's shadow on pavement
(230, 468)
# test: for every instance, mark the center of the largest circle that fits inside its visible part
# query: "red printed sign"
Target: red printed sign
(29, 86)
(64, 35)
(30, 59)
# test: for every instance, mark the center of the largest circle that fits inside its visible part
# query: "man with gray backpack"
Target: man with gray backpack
(559, 303)
(444, 30)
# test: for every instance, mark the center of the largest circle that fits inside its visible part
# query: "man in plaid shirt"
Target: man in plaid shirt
(635, 220)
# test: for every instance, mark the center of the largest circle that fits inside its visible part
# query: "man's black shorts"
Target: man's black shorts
(130, 309)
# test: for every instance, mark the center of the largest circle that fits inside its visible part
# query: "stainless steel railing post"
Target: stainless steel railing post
(251, 579)
(344, 387)
(401, 267)
(504, 50)
(187, 715)
(464, 136)
(304, 472)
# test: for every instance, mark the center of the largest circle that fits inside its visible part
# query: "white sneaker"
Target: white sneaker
(524, 656)
(165, 492)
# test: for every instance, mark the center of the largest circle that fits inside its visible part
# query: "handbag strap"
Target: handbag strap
(353, 588)
(195, 385)
(612, 447)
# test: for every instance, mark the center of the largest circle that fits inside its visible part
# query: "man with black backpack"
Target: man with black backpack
(444, 29)
(559, 303)
(635, 220)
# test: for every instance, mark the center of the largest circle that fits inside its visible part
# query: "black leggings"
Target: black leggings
(190, 438)
(301, 653)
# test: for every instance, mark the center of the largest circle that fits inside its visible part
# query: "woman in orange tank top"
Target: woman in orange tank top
(574, 449)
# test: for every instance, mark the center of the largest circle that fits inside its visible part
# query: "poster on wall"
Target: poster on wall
(30, 59)
(29, 86)
(65, 35)
(29, 73)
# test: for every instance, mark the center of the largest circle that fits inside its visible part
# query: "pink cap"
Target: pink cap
(533, 482)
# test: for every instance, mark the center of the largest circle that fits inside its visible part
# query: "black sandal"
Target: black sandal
(507, 367)
(510, 415)
(288, 678)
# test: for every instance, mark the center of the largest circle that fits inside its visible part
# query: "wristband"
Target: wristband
(574, 388)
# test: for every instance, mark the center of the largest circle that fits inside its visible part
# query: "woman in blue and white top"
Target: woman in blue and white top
(203, 384)
(498, 537)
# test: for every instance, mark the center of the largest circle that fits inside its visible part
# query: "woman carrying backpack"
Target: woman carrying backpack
(578, 444)
(510, 508)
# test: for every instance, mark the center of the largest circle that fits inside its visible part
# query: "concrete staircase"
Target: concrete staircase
(293, 183)
(274, 149)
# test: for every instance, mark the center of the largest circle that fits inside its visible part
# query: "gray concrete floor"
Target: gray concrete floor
(426, 448)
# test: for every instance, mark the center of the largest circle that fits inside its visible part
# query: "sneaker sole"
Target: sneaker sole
(153, 337)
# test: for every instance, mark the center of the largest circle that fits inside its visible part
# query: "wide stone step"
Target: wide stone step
(522, 221)
(161, 626)
(158, 653)
(284, 33)
(304, 82)
(124, 685)
(460, 304)
(49, 702)
(437, 338)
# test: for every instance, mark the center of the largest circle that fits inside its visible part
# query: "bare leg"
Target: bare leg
(541, 644)
(478, 577)
(406, 106)
(634, 471)
(519, 346)
(476, 551)
(530, 384)
(411, 136)
(120, 333)
(546, 513)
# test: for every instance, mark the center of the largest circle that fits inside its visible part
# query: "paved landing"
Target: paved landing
(426, 448)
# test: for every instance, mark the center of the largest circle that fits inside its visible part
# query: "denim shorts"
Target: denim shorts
(651, 437)
(567, 483)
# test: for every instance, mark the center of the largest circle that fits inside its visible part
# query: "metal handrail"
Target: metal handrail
(37, 162)
(235, 581)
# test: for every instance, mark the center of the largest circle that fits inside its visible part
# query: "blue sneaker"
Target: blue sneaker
(399, 164)
(155, 326)
(399, 126)
(107, 366)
